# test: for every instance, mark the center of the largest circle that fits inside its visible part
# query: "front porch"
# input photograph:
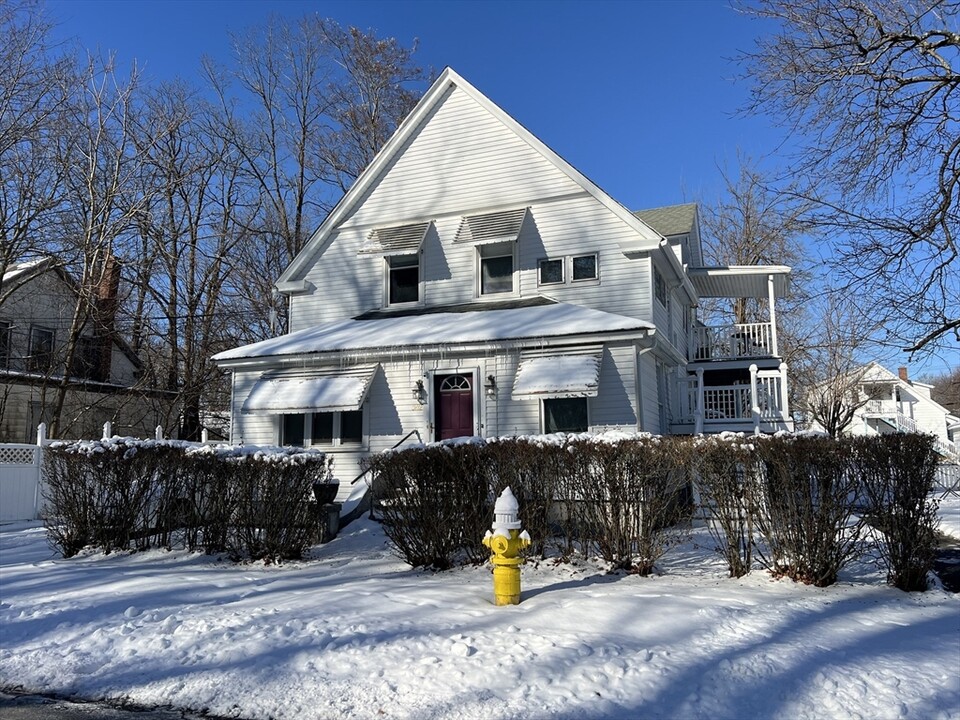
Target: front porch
(759, 405)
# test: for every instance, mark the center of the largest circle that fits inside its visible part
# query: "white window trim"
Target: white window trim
(596, 266)
(386, 282)
(337, 443)
(478, 269)
(563, 272)
(543, 413)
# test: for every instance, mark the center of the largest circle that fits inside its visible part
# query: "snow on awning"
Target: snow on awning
(325, 392)
(396, 240)
(574, 373)
(491, 227)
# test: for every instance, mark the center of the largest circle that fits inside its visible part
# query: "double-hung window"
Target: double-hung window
(41, 349)
(5, 342)
(496, 268)
(403, 279)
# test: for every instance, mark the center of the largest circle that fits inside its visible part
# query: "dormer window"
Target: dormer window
(496, 268)
(403, 279)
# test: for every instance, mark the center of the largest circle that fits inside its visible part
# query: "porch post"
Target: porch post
(784, 398)
(754, 405)
(773, 316)
(698, 415)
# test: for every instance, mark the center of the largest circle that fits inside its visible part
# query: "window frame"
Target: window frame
(563, 272)
(6, 344)
(660, 287)
(33, 364)
(596, 269)
(543, 413)
(388, 271)
(336, 441)
(497, 251)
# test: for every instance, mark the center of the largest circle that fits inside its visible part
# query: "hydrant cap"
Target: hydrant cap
(506, 504)
(506, 513)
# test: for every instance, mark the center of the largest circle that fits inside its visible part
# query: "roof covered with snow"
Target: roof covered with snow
(441, 328)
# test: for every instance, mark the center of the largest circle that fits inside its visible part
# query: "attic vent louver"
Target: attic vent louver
(396, 240)
(491, 227)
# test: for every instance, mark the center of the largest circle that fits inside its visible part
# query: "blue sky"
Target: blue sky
(639, 96)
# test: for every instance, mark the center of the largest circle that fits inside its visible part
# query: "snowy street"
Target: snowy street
(356, 633)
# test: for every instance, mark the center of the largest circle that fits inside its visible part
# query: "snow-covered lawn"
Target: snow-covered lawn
(356, 633)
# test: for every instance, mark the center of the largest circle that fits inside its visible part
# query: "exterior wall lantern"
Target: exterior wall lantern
(419, 394)
(490, 387)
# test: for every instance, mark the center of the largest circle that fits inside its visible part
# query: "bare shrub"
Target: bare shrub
(434, 502)
(898, 473)
(628, 494)
(726, 478)
(130, 494)
(810, 500)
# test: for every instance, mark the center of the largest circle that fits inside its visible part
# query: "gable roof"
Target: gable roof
(292, 278)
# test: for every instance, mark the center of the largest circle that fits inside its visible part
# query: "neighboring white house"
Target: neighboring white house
(895, 403)
(35, 319)
(472, 282)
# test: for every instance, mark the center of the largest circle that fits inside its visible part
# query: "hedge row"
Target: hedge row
(123, 493)
(801, 506)
(612, 495)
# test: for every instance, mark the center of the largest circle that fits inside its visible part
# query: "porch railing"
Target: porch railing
(762, 400)
(732, 342)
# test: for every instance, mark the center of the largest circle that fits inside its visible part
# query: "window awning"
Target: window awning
(396, 240)
(491, 227)
(557, 375)
(327, 391)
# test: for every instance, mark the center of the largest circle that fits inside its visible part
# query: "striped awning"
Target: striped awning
(395, 240)
(574, 373)
(326, 391)
(491, 227)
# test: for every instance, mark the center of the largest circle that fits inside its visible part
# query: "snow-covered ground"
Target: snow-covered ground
(356, 633)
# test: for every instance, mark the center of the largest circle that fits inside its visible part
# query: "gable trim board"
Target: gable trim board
(292, 279)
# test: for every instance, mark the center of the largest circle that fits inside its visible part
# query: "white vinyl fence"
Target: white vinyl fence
(20, 482)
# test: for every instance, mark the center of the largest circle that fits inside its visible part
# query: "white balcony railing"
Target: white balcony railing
(731, 342)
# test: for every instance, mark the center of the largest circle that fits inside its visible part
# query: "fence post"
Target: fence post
(107, 430)
(158, 434)
(41, 434)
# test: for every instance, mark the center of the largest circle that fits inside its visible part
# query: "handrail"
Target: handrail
(415, 431)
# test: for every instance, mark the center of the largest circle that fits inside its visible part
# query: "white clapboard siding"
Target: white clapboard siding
(647, 372)
(461, 159)
(616, 402)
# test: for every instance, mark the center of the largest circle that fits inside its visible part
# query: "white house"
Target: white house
(102, 381)
(891, 402)
(472, 282)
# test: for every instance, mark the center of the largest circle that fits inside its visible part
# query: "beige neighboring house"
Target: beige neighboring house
(895, 403)
(35, 316)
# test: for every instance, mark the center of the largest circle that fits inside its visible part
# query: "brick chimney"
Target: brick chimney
(106, 314)
(902, 372)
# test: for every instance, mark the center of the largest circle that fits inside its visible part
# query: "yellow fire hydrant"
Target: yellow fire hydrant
(505, 541)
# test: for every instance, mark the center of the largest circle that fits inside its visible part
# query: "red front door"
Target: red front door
(454, 402)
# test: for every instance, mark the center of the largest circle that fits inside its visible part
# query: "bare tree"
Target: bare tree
(831, 373)
(318, 103)
(870, 89)
(99, 168)
(756, 224)
(946, 389)
(33, 97)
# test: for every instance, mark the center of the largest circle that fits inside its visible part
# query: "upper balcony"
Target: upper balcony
(742, 341)
(733, 342)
